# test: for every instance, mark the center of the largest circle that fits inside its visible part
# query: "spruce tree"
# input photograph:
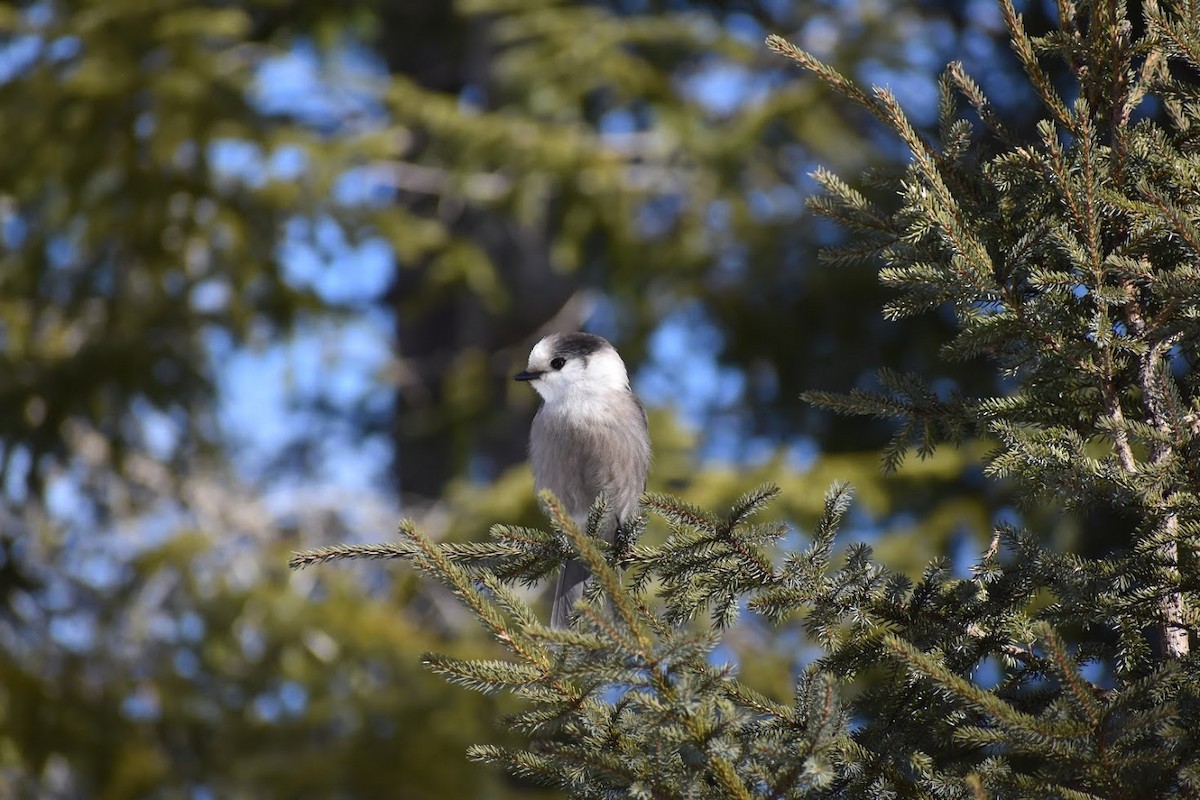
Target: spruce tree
(1070, 263)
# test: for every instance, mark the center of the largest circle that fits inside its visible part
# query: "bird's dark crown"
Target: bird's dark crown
(578, 345)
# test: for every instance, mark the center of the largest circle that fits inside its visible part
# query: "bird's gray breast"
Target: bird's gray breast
(578, 456)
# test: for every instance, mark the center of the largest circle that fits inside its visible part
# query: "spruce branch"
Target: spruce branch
(966, 85)
(1029, 728)
(431, 560)
(605, 575)
(339, 552)
(1067, 671)
(751, 503)
(486, 676)
(1023, 45)
(834, 79)
(680, 513)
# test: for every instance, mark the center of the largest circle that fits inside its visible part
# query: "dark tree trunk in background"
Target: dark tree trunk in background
(427, 41)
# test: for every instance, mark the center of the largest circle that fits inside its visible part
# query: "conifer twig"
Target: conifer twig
(1174, 631)
(339, 552)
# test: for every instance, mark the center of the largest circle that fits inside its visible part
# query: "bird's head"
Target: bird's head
(563, 365)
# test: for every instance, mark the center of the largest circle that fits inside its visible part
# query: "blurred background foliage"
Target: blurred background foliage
(265, 271)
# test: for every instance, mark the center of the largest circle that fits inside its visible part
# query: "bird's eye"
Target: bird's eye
(558, 363)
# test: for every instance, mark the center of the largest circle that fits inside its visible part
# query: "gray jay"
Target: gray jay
(588, 437)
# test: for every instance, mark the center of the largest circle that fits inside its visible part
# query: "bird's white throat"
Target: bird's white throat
(583, 384)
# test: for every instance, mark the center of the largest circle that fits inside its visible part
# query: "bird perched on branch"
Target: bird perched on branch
(589, 436)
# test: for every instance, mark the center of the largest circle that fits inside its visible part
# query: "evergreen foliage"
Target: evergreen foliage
(1069, 263)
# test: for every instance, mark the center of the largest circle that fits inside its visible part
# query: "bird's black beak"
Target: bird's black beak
(526, 375)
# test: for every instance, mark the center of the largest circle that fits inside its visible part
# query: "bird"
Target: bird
(590, 435)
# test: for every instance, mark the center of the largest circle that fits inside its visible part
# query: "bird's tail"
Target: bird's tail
(567, 592)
